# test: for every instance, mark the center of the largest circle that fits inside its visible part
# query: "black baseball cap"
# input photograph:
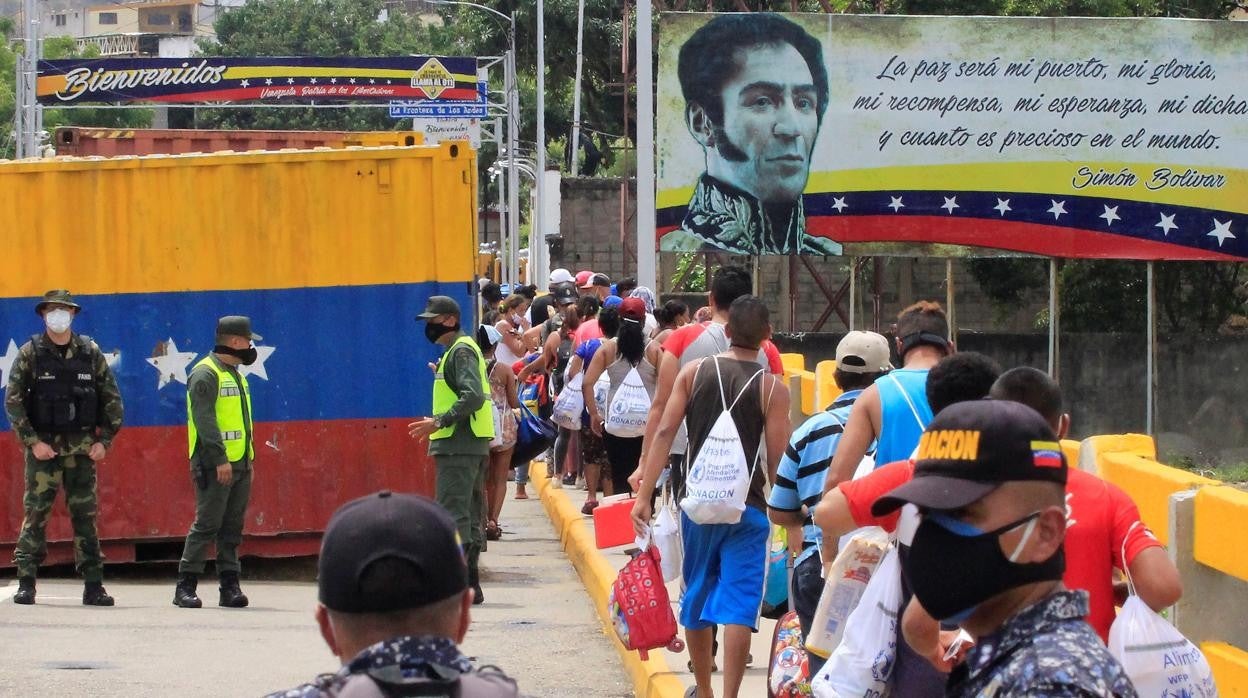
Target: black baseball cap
(972, 448)
(237, 326)
(439, 305)
(600, 280)
(406, 527)
(565, 295)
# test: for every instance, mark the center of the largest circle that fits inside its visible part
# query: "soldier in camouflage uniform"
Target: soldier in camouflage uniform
(65, 408)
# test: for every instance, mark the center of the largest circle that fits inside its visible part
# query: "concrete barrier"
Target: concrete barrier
(793, 362)
(1230, 668)
(1093, 448)
(826, 388)
(809, 392)
(1221, 518)
(1150, 484)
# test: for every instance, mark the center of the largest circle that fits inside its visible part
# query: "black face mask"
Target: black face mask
(952, 567)
(246, 356)
(435, 332)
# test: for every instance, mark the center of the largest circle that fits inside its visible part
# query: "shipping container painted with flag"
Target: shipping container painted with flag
(331, 253)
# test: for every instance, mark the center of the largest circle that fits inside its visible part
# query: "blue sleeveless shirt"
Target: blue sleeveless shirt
(904, 413)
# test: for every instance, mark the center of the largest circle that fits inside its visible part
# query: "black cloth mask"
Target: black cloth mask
(435, 332)
(953, 567)
(246, 356)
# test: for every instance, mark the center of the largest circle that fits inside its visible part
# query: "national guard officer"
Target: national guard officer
(220, 436)
(65, 408)
(460, 429)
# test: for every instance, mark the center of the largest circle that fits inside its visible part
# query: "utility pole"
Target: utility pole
(537, 237)
(647, 257)
(576, 95)
(29, 116)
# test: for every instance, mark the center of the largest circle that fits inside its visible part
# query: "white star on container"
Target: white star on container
(257, 369)
(896, 205)
(951, 202)
(171, 363)
(1057, 209)
(1003, 205)
(1110, 215)
(1221, 231)
(839, 204)
(1166, 224)
(6, 362)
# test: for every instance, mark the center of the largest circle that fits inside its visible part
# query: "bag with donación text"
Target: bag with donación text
(720, 474)
(569, 404)
(630, 408)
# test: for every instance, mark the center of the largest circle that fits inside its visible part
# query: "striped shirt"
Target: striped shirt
(799, 480)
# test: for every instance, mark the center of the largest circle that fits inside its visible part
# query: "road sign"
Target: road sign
(438, 130)
(441, 109)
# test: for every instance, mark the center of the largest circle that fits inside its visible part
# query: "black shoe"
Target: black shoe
(25, 591)
(478, 598)
(93, 594)
(231, 595)
(184, 594)
(569, 480)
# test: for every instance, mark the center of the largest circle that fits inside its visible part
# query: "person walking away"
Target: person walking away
(460, 429)
(65, 408)
(861, 358)
(671, 317)
(593, 453)
(725, 563)
(630, 362)
(504, 402)
(221, 444)
(557, 346)
(894, 411)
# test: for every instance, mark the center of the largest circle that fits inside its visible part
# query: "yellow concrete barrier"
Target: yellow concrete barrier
(1150, 484)
(1221, 518)
(1094, 448)
(809, 389)
(794, 362)
(826, 382)
(1230, 668)
(1070, 448)
(652, 678)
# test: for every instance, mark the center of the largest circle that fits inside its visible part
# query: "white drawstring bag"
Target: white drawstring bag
(570, 404)
(602, 388)
(1157, 658)
(719, 475)
(863, 662)
(630, 407)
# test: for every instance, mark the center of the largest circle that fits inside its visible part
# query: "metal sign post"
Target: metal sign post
(647, 268)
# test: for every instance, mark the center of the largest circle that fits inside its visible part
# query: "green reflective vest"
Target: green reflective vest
(235, 426)
(443, 397)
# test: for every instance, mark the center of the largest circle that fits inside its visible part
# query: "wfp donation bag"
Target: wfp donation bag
(1157, 658)
(569, 404)
(844, 583)
(602, 387)
(630, 407)
(720, 474)
(863, 661)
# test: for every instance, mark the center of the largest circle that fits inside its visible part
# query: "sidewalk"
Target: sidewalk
(536, 624)
(665, 674)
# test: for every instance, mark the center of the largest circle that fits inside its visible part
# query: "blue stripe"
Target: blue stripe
(345, 352)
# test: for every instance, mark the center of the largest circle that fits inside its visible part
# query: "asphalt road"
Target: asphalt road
(537, 624)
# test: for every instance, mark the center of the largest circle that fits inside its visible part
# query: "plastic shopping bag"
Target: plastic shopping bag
(570, 404)
(864, 660)
(1158, 659)
(844, 584)
(667, 540)
(505, 426)
(776, 589)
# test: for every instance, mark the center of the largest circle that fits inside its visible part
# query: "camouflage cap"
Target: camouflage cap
(439, 305)
(236, 326)
(59, 297)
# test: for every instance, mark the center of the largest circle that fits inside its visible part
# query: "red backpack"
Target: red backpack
(640, 608)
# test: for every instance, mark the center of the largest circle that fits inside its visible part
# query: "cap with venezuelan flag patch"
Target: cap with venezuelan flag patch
(970, 449)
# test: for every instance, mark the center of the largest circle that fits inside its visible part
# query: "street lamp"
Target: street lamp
(513, 135)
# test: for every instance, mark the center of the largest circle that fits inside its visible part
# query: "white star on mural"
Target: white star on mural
(290, 81)
(257, 369)
(1003, 205)
(372, 81)
(333, 81)
(6, 363)
(171, 363)
(951, 202)
(1110, 215)
(268, 81)
(352, 81)
(1221, 231)
(244, 83)
(839, 204)
(896, 205)
(1058, 208)
(1166, 224)
(313, 81)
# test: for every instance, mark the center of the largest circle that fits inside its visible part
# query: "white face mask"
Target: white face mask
(58, 320)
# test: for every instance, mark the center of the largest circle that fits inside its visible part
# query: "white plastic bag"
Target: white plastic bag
(844, 584)
(666, 533)
(569, 405)
(630, 408)
(864, 660)
(505, 424)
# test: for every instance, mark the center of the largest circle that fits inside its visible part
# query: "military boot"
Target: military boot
(25, 591)
(231, 595)
(184, 594)
(93, 594)
(474, 576)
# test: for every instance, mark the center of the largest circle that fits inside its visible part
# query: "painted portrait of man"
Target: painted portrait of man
(755, 90)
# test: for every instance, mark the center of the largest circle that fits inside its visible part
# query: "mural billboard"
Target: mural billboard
(1067, 137)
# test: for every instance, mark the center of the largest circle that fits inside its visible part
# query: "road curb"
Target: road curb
(651, 678)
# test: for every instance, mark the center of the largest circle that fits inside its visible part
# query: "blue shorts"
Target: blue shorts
(725, 567)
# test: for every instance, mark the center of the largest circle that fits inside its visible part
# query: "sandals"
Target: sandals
(520, 493)
(493, 531)
(589, 506)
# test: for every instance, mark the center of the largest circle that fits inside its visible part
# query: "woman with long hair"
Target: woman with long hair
(628, 402)
(672, 316)
(512, 325)
(503, 395)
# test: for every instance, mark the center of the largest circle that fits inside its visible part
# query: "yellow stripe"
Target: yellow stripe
(1045, 446)
(1024, 177)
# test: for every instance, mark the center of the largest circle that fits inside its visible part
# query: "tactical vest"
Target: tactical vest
(482, 420)
(388, 682)
(63, 398)
(234, 423)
